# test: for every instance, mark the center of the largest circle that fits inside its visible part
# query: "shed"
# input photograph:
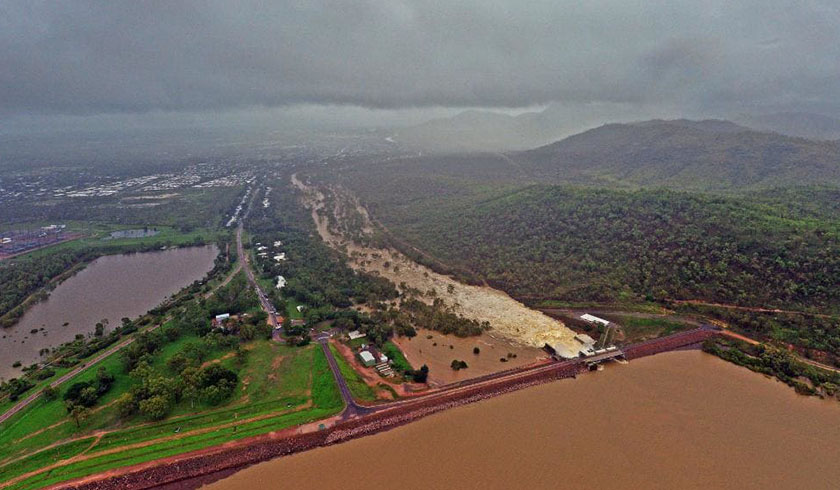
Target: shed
(367, 358)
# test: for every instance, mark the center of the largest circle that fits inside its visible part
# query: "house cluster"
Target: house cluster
(262, 251)
(239, 207)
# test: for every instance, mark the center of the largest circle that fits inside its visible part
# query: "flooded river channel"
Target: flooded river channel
(111, 287)
(675, 420)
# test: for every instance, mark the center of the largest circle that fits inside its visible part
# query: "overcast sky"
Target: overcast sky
(134, 57)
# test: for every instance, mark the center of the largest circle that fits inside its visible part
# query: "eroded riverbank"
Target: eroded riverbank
(508, 317)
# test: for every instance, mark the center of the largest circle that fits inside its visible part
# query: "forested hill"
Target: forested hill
(577, 244)
(693, 155)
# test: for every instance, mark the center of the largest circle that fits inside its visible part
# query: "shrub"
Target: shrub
(458, 365)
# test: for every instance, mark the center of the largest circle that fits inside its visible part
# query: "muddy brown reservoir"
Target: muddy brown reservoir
(676, 420)
(112, 287)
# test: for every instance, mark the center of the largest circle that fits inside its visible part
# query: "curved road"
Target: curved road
(353, 409)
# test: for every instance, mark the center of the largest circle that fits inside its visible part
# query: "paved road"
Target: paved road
(353, 409)
(252, 279)
(78, 369)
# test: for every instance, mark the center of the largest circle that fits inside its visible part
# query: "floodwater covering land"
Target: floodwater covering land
(110, 287)
(440, 350)
(675, 420)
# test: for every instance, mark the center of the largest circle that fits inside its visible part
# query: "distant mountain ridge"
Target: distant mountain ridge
(802, 124)
(685, 154)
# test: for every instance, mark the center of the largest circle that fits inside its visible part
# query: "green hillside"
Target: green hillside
(692, 155)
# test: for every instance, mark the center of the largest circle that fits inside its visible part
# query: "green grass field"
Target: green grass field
(95, 235)
(400, 363)
(358, 387)
(636, 329)
(279, 386)
(291, 308)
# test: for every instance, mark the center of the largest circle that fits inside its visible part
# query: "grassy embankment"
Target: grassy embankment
(398, 360)
(278, 387)
(358, 387)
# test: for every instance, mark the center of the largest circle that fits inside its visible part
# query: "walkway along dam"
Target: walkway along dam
(192, 469)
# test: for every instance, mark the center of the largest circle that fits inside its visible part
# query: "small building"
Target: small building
(221, 318)
(300, 308)
(587, 343)
(367, 358)
(279, 257)
(355, 334)
(383, 358)
(281, 282)
(278, 243)
(594, 319)
(262, 247)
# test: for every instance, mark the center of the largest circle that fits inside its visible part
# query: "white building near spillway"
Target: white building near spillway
(594, 319)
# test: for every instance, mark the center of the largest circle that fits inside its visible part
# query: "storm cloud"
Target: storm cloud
(82, 58)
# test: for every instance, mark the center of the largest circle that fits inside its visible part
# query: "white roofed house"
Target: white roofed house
(219, 320)
(280, 256)
(281, 282)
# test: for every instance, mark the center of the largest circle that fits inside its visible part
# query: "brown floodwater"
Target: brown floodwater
(438, 351)
(675, 420)
(112, 287)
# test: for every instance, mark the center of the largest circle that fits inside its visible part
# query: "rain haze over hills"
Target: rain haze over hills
(218, 68)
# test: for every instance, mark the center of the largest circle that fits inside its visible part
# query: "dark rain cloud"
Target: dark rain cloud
(83, 57)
